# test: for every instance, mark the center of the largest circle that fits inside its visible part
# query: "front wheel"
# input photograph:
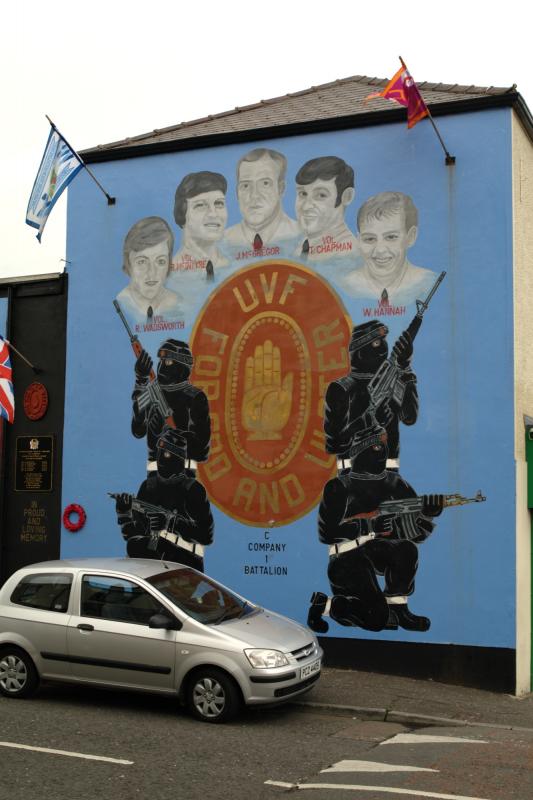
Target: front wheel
(212, 695)
(18, 676)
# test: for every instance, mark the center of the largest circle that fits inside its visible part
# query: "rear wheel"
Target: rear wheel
(212, 695)
(18, 676)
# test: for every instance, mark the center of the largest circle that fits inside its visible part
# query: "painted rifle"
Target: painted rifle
(152, 395)
(144, 508)
(386, 383)
(413, 505)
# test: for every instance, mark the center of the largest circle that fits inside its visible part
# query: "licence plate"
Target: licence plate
(305, 672)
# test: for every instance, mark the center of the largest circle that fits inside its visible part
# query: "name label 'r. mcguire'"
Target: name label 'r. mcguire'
(266, 345)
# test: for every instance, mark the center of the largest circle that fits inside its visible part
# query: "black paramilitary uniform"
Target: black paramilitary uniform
(358, 598)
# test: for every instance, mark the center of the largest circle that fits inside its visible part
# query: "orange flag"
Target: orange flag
(404, 90)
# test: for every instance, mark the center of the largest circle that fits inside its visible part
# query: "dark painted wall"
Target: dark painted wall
(31, 519)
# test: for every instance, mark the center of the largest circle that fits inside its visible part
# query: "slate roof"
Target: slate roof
(340, 98)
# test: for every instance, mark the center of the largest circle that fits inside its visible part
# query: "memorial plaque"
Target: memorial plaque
(34, 463)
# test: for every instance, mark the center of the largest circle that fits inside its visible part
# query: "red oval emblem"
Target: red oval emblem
(266, 345)
(35, 401)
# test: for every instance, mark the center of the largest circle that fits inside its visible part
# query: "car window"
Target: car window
(49, 592)
(106, 597)
(202, 598)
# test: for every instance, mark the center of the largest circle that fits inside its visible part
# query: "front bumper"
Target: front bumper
(276, 686)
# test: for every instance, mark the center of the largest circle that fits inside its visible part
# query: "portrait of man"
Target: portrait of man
(146, 259)
(200, 211)
(260, 187)
(325, 187)
(388, 227)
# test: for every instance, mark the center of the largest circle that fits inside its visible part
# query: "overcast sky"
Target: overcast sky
(109, 69)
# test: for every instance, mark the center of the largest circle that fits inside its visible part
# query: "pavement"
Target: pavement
(414, 701)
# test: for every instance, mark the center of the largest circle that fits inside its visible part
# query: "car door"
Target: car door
(38, 612)
(109, 640)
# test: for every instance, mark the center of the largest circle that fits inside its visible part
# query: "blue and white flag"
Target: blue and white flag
(58, 167)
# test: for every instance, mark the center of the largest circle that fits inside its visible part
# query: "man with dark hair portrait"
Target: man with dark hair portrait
(325, 187)
(200, 211)
(260, 187)
(146, 259)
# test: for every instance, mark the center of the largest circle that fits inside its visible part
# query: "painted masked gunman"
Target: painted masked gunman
(348, 398)
(364, 545)
(170, 517)
(179, 404)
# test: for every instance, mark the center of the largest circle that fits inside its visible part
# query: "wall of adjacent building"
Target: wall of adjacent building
(523, 378)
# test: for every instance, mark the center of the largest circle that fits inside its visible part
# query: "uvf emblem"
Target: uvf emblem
(267, 344)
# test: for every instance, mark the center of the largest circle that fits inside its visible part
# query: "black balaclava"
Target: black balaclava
(175, 362)
(368, 347)
(171, 453)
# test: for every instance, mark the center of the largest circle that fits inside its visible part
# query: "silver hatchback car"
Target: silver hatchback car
(149, 625)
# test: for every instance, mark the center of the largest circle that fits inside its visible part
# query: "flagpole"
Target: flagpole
(110, 200)
(449, 158)
(12, 346)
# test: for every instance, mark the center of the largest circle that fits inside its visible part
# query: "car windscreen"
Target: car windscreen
(199, 596)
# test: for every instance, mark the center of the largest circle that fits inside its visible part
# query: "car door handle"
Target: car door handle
(84, 626)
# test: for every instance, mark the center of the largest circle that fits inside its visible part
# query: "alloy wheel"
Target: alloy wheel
(13, 674)
(209, 697)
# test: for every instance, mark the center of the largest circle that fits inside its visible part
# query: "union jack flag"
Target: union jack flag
(7, 399)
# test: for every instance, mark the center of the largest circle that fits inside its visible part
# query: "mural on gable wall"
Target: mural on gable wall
(282, 405)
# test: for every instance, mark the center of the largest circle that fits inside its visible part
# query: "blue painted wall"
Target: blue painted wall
(3, 315)
(463, 439)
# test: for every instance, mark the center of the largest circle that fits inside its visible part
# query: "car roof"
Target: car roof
(140, 567)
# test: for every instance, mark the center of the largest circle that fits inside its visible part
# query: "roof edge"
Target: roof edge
(524, 114)
(387, 116)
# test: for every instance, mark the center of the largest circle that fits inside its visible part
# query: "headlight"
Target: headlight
(266, 659)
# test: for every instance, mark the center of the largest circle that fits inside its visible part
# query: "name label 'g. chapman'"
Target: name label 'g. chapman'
(266, 345)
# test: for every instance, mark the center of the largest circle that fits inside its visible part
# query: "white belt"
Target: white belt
(345, 463)
(179, 541)
(190, 463)
(344, 547)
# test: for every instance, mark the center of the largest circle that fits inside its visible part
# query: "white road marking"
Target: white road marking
(422, 738)
(385, 789)
(373, 766)
(64, 753)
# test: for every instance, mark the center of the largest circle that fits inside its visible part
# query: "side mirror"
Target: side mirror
(165, 622)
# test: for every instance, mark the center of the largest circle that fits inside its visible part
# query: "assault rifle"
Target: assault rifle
(386, 384)
(413, 505)
(145, 509)
(152, 394)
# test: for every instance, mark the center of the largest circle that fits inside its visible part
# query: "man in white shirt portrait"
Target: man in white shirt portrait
(200, 211)
(147, 253)
(260, 187)
(325, 187)
(388, 227)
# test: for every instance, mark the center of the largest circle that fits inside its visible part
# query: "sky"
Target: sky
(114, 69)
